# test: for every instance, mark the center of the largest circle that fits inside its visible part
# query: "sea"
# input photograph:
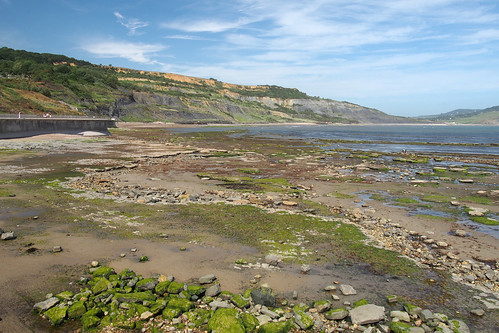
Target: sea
(459, 139)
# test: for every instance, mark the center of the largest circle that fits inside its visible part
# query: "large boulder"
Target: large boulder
(226, 321)
(263, 296)
(367, 314)
(46, 304)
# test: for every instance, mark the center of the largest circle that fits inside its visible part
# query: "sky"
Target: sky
(403, 57)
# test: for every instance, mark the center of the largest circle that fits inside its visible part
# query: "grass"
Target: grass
(484, 220)
(341, 195)
(406, 200)
(438, 218)
(436, 198)
(250, 171)
(476, 199)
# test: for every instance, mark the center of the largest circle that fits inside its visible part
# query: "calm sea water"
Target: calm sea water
(383, 138)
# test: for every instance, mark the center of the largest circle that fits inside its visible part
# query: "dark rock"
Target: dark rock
(263, 296)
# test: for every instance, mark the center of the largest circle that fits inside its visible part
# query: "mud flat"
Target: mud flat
(252, 211)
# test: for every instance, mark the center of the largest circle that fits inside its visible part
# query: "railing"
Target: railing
(31, 116)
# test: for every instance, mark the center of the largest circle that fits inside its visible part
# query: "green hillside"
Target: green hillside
(34, 83)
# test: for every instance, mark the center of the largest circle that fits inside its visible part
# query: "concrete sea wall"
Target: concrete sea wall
(22, 127)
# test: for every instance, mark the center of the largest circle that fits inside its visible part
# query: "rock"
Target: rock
(278, 327)
(175, 287)
(401, 315)
(295, 294)
(458, 326)
(303, 320)
(466, 181)
(289, 203)
(347, 290)
(477, 312)
(426, 315)
(146, 284)
(240, 302)
(305, 269)
(8, 236)
(249, 321)
(461, 233)
(46, 304)
(412, 309)
(263, 319)
(263, 296)
(76, 310)
(392, 299)
(207, 279)
(181, 303)
(272, 259)
(226, 320)
(146, 315)
(219, 304)
(213, 290)
(270, 313)
(475, 211)
(94, 264)
(367, 314)
(336, 314)
(322, 306)
(103, 271)
(56, 249)
(330, 288)
(56, 314)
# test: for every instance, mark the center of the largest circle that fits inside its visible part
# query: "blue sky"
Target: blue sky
(403, 57)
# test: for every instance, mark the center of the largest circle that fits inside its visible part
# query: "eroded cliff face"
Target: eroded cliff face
(235, 108)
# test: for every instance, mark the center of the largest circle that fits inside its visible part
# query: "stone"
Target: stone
(94, 263)
(175, 287)
(207, 279)
(56, 314)
(146, 315)
(278, 327)
(146, 284)
(213, 291)
(347, 290)
(249, 321)
(8, 235)
(76, 310)
(305, 269)
(458, 326)
(426, 315)
(412, 309)
(322, 306)
(330, 288)
(367, 314)
(181, 303)
(162, 287)
(272, 259)
(103, 271)
(263, 319)
(226, 320)
(477, 312)
(460, 233)
(46, 304)
(303, 320)
(263, 296)
(239, 301)
(219, 304)
(401, 315)
(336, 314)
(170, 313)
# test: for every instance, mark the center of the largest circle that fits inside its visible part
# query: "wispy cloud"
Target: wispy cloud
(186, 37)
(482, 36)
(132, 24)
(213, 26)
(137, 52)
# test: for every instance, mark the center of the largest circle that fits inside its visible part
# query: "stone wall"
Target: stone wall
(22, 127)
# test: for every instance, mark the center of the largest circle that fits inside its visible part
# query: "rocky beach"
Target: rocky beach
(151, 230)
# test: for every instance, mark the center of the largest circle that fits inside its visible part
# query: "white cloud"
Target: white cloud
(131, 24)
(137, 52)
(482, 36)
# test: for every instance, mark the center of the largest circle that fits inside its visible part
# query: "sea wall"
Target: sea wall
(22, 127)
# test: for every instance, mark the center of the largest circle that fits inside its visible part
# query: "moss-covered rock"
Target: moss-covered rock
(412, 309)
(303, 320)
(322, 306)
(279, 327)
(399, 327)
(170, 313)
(336, 314)
(101, 285)
(226, 295)
(196, 290)
(56, 314)
(162, 287)
(158, 306)
(76, 310)
(65, 295)
(182, 304)
(226, 321)
(175, 287)
(146, 284)
(301, 307)
(90, 321)
(359, 303)
(127, 274)
(249, 321)
(199, 317)
(240, 302)
(103, 271)
(135, 297)
(123, 321)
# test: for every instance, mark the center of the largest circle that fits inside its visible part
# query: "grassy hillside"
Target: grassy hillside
(469, 116)
(34, 83)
